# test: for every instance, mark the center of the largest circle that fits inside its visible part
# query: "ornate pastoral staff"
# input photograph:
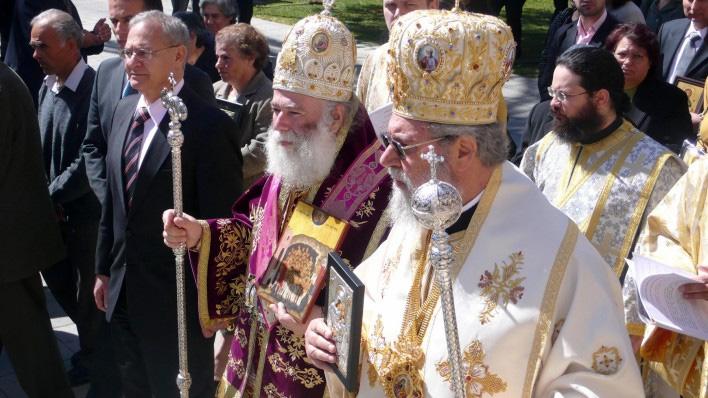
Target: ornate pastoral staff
(437, 205)
(178, 113)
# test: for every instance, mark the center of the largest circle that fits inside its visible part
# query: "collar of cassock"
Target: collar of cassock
(464, 220)
(604, 133)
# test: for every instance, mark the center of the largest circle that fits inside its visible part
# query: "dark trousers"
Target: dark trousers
(514, 10)
(245, 11)
(27, 336)
(104, 373)
(71, 280)
(147, 354)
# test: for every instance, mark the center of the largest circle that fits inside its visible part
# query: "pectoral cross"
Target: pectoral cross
(433, 160)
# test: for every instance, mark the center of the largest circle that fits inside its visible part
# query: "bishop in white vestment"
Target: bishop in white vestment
(539, 312)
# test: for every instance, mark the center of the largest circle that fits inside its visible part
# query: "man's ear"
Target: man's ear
(181, 55)
(601, 98)
(462, 151)
(338, 116)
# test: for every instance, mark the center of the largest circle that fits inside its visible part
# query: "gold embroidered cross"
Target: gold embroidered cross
(479, 381)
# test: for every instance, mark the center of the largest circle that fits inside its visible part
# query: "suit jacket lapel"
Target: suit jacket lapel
(116, 143)
(569, 38)
(674, 40)
(154, 158)
(699, 59)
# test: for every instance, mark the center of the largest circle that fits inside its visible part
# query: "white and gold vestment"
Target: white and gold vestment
(677, 235)
(608, 188)
(539, 312)
(372, 88)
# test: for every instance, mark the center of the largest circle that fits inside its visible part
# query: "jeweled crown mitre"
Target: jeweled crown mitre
(318, 58)
(449, 66)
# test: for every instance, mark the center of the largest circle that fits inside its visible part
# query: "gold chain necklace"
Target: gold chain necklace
(417, 316)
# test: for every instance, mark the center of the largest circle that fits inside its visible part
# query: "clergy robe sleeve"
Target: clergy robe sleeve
(589, 353)
(221, 265)
(362, 85)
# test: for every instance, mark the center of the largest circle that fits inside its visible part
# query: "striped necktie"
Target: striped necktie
(131, 153)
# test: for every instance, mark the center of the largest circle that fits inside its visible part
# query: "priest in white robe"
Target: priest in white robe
(539, 312)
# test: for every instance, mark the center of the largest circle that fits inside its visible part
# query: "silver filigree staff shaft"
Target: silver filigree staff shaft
(437, 205)
(178, 113)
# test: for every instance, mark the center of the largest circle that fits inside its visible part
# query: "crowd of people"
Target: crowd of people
(547, 305)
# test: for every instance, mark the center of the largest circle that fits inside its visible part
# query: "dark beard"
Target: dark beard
(581, 128)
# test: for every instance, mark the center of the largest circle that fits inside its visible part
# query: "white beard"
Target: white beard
(399, 210)
(307, 161)
(406, 231)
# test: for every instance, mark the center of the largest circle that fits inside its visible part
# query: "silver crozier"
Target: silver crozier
(437, 205)
(178, 113)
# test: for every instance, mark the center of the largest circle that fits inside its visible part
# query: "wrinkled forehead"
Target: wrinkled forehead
(407, 129)
(146, 35)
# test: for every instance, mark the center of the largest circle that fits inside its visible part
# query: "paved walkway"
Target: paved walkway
(520, 93)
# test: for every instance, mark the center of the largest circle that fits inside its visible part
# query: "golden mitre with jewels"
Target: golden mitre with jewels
(449, 66)
(318, 58)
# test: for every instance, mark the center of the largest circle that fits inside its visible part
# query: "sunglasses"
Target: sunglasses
(400, 149)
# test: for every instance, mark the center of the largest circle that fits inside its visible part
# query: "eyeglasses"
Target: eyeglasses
(400, 149)
(142, 53)
(561, 96)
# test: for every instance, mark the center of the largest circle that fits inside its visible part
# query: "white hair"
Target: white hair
(175, 31)
(62, 23)
(492, 143)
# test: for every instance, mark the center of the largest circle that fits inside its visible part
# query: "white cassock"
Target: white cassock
(539, 312)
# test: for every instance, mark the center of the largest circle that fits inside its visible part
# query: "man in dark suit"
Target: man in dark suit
(63, 108)
(592, 27)
(135, 284)
(32, 243)
(18, 53)
(683, 43)
(111, 85)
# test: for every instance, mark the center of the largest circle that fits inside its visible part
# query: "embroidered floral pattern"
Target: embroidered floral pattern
(234, 240)
(271, 391)
(308, 377)
(236, 366)
(234, 299)
(240, 336)
(367, 209)
(374, 345)
(606, 360)
(477, 377)
(289, 343)
(256, 218)
(501, 286)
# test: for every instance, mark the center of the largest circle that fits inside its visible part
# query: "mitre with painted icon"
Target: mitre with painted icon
(318, 58)
(449, 66)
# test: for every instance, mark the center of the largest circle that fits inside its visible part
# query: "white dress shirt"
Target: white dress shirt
(157, 111)
(71, 82)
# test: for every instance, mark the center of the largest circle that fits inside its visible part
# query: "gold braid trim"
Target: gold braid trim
(548, 306)
(202, 272)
